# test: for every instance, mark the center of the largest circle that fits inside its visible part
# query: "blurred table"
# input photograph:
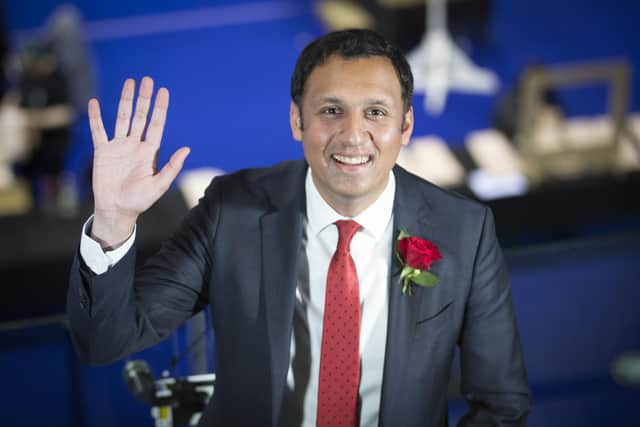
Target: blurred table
(569, 209)
(36, 250)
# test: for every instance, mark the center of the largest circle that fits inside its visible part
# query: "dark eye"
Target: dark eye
(376, 112)
(330, 110)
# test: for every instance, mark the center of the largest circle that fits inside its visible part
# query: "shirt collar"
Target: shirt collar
(373, 219)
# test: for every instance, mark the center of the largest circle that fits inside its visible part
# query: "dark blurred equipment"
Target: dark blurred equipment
(15, 196)
(440, 65)
(137, 376)
(15, 145)
(551, 146)
(175, 401)
(54, 80)
(403, 21)
(506, 114)
(436, 34)
(44, 94)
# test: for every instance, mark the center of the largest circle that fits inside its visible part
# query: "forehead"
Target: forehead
(372, 76)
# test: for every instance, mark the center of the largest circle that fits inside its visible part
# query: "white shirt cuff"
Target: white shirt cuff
(93, 255)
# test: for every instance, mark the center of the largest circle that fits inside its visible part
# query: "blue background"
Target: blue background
(229, 86)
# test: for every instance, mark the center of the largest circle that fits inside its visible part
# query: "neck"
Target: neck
(350, 206)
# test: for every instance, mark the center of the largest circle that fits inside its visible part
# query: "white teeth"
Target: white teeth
(359, 160)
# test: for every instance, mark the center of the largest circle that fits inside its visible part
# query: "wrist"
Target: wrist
(111, 232)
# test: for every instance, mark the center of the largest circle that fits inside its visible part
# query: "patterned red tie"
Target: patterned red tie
(340, 354)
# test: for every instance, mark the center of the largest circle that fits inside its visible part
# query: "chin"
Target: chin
(353, 191)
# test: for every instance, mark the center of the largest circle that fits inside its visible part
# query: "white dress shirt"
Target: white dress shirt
(93, 255)
(370, 250)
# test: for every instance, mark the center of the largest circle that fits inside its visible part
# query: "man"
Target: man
(299, 265)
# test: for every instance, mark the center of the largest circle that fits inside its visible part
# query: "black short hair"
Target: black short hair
(349, 44)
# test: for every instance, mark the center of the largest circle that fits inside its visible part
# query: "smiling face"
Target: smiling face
(354, 127)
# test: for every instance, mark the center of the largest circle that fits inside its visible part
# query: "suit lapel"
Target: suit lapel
(411, 213)
(281, 237)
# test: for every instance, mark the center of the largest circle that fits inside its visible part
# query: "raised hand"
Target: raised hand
(125, 179)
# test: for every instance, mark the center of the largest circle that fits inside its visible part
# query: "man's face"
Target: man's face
(354, 127)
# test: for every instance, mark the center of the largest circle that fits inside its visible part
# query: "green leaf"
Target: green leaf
(403, 234)
(406, 272)
(424, 278)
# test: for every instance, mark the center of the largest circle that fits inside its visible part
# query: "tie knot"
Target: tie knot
(346, 230)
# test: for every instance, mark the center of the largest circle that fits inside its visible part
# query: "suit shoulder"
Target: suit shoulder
(267, 172)
(260, 184)
(438, 197)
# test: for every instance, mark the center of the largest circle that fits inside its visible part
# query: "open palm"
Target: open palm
(125, 179)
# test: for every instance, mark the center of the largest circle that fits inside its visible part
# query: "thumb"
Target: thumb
(168, 173)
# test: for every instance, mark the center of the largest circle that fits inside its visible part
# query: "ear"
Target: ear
(295, 121)
(407, 127)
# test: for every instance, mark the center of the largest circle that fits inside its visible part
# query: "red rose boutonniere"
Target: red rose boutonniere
(416, 256)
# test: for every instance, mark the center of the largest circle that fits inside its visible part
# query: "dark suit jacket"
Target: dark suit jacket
(238, 251)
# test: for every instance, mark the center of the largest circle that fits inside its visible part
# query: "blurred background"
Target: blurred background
(532, 107)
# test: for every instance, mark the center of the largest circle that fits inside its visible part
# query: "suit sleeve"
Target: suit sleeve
(494, 380)
(122, 311)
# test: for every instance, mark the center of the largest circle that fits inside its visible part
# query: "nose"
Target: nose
(354, 129)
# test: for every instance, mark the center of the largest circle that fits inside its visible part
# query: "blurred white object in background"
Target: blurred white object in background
(491, 151)
(629, 153)
(439, 65)
(192, 183)
(15, 144)
(625, 369)
(430, 158)
(15, 141)
(553, 135)
(487, 186)
(500, 170)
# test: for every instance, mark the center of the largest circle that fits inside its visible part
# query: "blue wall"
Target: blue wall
(229, 76)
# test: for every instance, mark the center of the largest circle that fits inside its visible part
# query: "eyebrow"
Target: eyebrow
(374, 101)
(336, 100)
(329, 100)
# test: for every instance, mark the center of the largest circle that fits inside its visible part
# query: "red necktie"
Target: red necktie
(340, 354)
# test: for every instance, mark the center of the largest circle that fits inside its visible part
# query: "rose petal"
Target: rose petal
(420, 253)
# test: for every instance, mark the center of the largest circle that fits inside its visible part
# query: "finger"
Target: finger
(158, 117)
(165, 177)
(124, 108)
(98, 134)
(142, 107)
